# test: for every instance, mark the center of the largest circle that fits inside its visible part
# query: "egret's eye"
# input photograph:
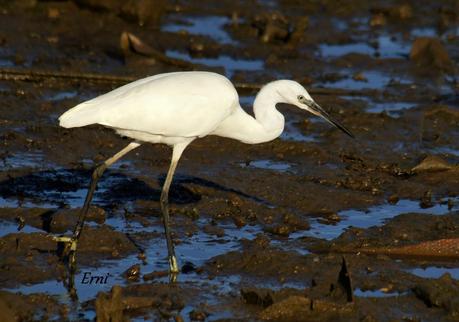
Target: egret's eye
(300, 97)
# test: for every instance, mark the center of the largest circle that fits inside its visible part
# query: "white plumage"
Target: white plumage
(172, 105)
(175, 109)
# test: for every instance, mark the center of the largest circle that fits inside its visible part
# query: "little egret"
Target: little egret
(175, 109)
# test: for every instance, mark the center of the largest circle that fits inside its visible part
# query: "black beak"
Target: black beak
(316, 109)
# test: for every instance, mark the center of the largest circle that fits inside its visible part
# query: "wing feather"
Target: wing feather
(175, 104)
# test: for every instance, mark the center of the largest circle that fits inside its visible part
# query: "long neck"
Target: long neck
(267, 125)
(264, 109)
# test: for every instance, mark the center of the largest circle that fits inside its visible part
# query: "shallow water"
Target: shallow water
(8, 227)
(200, 247)
(375, 293)
(435, 271)
(279, 166)
(211, 26)
(374, 216)
(373, 80)
(196, 249)
(59, 96)
(229, 63)
(33, 159)
(386, 46)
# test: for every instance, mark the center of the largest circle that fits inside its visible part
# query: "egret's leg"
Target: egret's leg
(164, 201)
(98, 171)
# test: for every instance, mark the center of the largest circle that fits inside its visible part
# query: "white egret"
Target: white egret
(175, 109)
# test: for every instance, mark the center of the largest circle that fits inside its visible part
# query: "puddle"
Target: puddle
(52, 195)
(24, 160)
(374, 80)
(8, 227)
(230, 64)
(387, 46)
(211, 26)
(444, 150)
(268, 165)
(327, 50)
(4, 62)
(391, 47)
(391, 108)
(60, 96)
(374, 216)
(197, 249)
(292, 133)
(435, 272)
(111, 269)
(376, 293)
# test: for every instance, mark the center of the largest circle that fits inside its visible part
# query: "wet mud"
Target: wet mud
(313, 226)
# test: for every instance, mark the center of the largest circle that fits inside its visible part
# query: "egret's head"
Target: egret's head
(293, 93)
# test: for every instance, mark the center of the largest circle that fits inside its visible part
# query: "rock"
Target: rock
(109, 306)
(393, 199)
(300, 308)
(257, 296)
(154, 275)
(100, 5)
(198, 315)
(360, 77)
(139, 11)
(299, 31)
(426, 200)
(378, 20)
(271, 26)
(428, 52)
(6, 313)
(143, 11)
(279, 229)
(132, 273)
(402, 12)
(432, 163)
(66, 219)
(442, 292)
(288, 310)
(214, 230)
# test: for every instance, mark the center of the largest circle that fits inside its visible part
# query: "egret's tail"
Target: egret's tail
(78, 116)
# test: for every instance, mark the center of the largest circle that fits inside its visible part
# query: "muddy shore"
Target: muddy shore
(313, 226)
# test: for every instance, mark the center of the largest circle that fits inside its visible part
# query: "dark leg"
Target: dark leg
(96, 175)
(164, 201)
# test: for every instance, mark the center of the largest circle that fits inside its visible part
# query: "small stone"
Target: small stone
(188, 267)
(154, 275)
(426, 200)
(393, 199)
(288, 309)
(214, 230)
(428, 52)
(403, 12)
(432, 163)
(132, 273)
(378, 20)
(197, 315)
(360, 77)
(257, 296)
(281, 230)
(53, 13)
(196, 48)
(239, 221)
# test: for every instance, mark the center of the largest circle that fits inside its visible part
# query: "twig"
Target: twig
(37, 75)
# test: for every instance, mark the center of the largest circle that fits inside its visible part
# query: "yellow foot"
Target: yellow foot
(67, 240)
(173, 265)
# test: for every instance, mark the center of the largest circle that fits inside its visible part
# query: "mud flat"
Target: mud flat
(312, 226)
